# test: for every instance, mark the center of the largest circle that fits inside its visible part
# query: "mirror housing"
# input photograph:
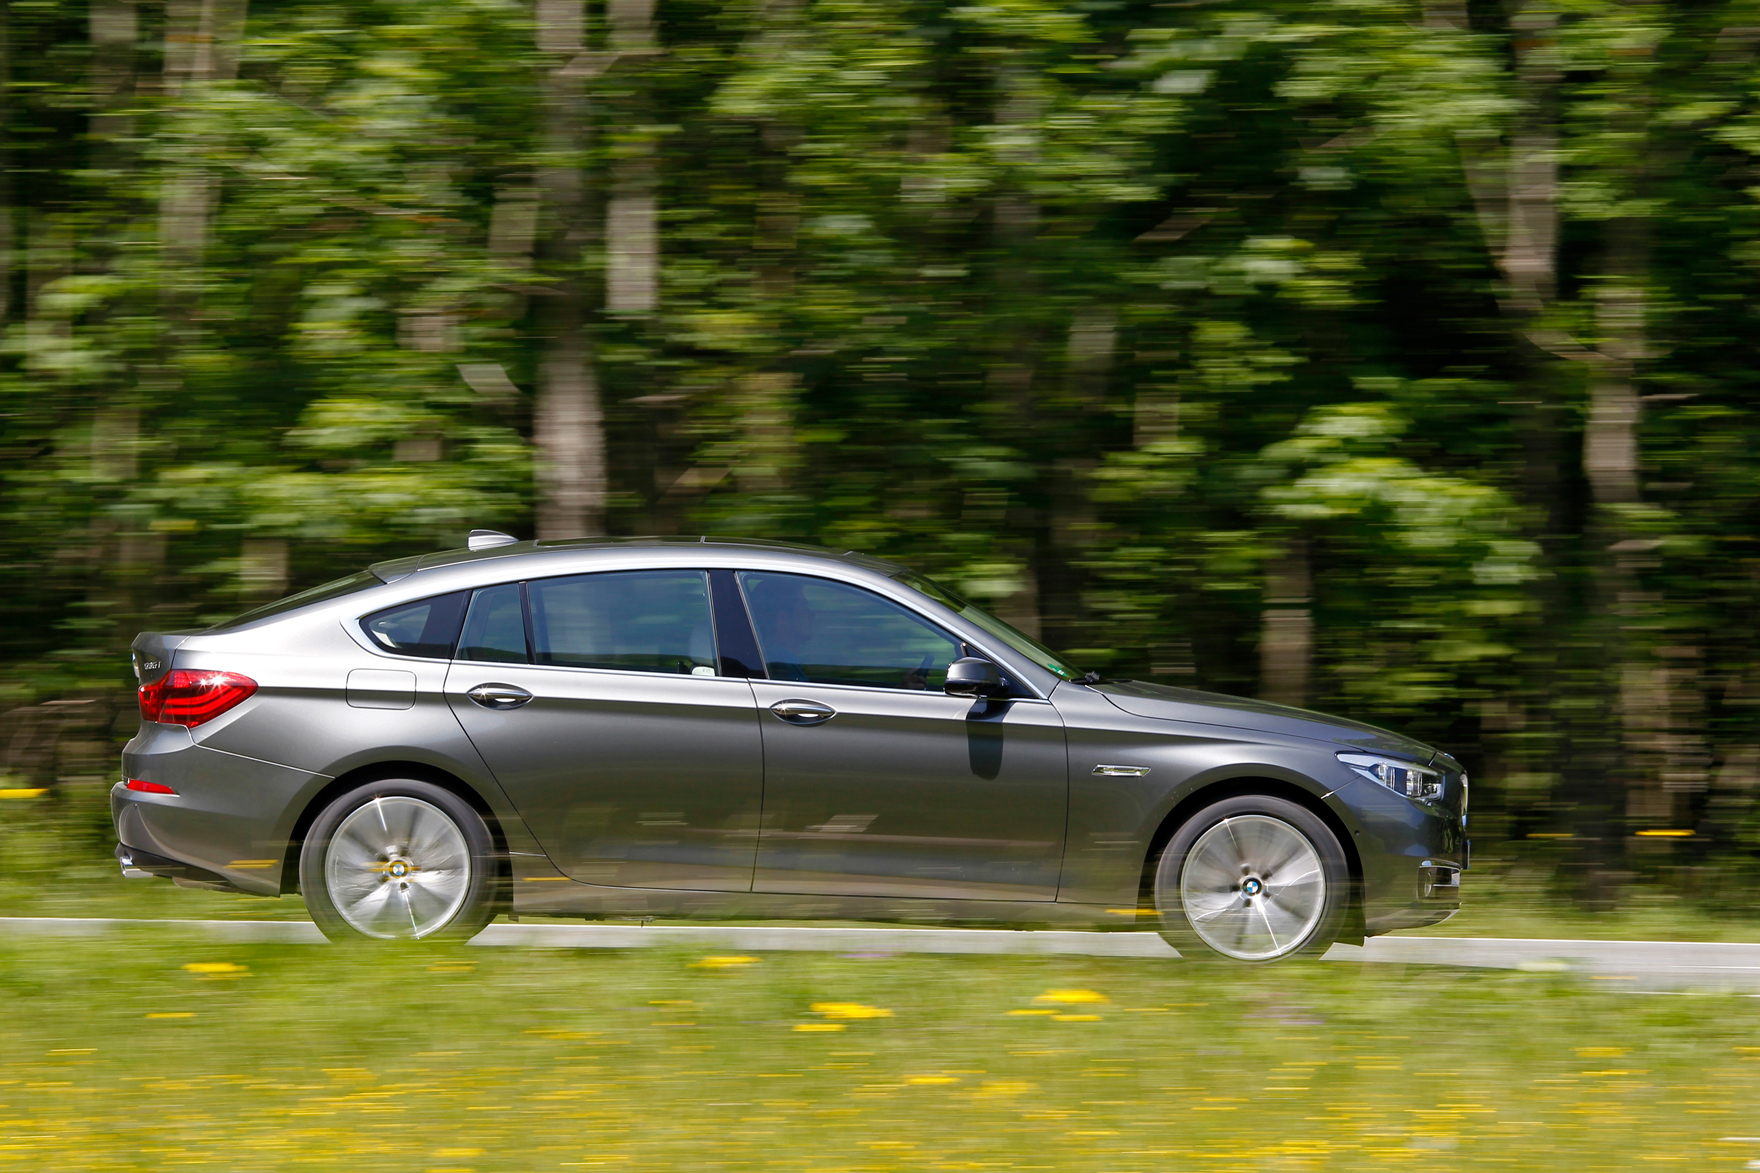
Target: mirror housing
(972, 676)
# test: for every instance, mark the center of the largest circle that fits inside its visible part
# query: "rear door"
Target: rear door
(598, 701)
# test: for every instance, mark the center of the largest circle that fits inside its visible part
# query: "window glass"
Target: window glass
(635, 621)
(428, 627)
(495, 629)
(823, 632)
(1025, 644)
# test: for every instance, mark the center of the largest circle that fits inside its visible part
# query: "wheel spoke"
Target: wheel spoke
(1246, 920)
(365, 862)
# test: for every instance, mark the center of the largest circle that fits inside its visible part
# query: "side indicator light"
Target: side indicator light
(149, 787)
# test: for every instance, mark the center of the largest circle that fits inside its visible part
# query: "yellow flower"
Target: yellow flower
(850, 1010)
(721, 962)
(932, 1079)
(216, 969)
(818, 1026)
(1072, 997)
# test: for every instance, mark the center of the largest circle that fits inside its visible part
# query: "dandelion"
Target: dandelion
(722, 962)
(1075, 1018)
(1072, 997)
(932, 1079)
(216, 969)
(173, 1014)
(848, 1010)
(818, 1026)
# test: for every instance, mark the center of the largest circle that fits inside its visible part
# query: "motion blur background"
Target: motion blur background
(1392, 359)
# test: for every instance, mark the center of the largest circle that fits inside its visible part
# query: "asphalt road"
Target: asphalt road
(1634, 965)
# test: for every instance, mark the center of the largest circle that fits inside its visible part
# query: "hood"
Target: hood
(1235, 712)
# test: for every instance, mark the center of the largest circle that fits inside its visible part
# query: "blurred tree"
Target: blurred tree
(1389, 356)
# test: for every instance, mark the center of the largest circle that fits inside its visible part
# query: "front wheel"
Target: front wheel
(399, 858)
(1252, 879)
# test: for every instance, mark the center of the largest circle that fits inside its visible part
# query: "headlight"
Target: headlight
(1400, 777)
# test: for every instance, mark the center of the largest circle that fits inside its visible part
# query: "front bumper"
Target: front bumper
(1412, 853)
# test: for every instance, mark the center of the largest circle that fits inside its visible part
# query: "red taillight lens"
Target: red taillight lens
(149, 787)
(184, 697)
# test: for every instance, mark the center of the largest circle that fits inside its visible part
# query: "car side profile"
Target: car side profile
(702, 727)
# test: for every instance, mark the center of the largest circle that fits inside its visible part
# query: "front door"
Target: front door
(597, 704)
(878, 783)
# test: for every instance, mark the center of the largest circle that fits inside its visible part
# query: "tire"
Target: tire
(400, 859)
(1218, 888)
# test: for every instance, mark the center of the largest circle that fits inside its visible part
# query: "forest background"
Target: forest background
(1388, 358)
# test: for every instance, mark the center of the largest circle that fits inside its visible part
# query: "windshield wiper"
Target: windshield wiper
(1091, 678)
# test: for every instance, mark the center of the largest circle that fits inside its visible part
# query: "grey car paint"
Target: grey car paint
(906, 793)
(1060, 842)
(632, 779)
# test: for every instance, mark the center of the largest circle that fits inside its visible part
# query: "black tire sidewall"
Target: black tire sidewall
(1178, 931)
(481, 899)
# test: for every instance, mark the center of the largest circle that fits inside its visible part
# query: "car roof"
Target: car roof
(394, 569)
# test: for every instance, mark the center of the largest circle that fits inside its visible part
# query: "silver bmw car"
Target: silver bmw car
(668, 727)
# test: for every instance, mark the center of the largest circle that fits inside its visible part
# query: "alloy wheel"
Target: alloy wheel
(1253, 888)
(397, 867)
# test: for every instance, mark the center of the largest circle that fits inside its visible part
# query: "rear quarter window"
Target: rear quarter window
(426, 627)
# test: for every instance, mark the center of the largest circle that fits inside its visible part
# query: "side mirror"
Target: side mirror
(972, 676)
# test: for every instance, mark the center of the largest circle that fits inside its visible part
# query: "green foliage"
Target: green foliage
(1102, 312)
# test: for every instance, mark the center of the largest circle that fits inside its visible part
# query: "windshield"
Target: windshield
(1019, 641)
(317, 594)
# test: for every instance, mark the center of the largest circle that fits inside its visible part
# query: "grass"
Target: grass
(138, 1051)
(148, 1050)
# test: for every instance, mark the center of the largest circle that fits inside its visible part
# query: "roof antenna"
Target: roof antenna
(488, 539)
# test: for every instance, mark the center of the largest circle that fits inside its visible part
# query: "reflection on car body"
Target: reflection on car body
(721, 728)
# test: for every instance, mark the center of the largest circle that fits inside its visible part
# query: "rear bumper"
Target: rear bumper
(230, 817)
(138, 865)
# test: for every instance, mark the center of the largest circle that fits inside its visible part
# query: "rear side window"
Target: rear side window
(634, 621)
(427, 627)
(495, 629)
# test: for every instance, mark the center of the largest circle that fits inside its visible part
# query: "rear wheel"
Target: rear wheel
(1252, 879)
(399, 858)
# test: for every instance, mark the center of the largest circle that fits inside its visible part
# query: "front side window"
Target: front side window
(823, 632)
(631, 621)
(1017, 640)
(495, 629)
(427, 627)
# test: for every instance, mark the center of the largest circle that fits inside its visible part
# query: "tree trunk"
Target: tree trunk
(568, 427)
(1286, 642)
(8, 227)
(114, 27)
(632, 215)
(1013, 370)
(201, 47)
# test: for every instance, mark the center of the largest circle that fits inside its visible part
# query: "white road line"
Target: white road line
(1665, 962)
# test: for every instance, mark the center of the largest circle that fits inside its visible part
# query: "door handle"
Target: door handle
(799, 712)
(499, 696)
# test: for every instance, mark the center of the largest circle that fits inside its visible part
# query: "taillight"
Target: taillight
(185, 697)
(146, 787)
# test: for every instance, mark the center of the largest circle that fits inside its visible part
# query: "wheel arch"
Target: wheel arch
(379, 772)
(1249, 786)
